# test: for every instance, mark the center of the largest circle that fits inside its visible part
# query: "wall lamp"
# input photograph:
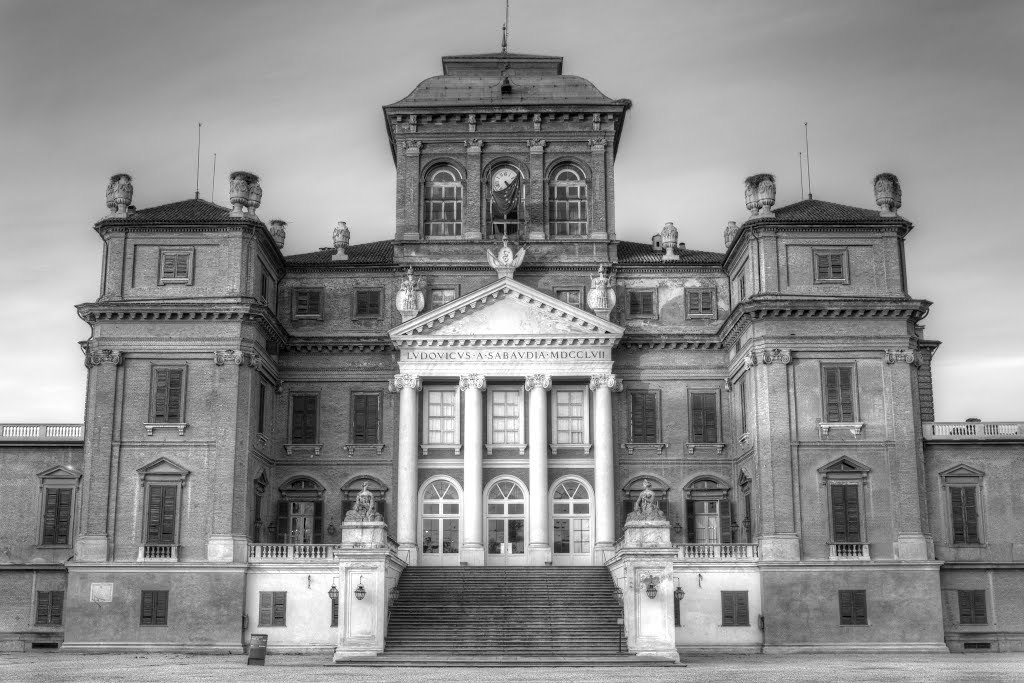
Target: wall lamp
(333, 591)
(679, 593)
(360, 591)
(652, 586)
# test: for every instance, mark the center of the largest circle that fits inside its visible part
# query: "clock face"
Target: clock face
(502, 178)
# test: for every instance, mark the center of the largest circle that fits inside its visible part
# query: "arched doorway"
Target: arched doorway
(506, 523)
(440, 515)
(300, 512)
(572, 521)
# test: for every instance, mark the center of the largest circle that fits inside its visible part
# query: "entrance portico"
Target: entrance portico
(507, 349)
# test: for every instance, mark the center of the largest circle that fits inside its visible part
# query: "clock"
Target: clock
(502, 178)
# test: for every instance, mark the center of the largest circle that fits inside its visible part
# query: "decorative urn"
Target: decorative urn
(255, 196)
(730, 232)
(410, 301)
(750, 195)
(669, 241)
(278, 230)
(342, 237)
(238, 191)
(888, 193)
(119, 194)
(765, 184)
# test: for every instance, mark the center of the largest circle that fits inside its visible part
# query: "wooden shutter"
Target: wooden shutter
(180, 266)
(146, 618)
(836, 266)
(42, 608)
(160, 395)
(749, 518)
(334, 611)
(845, 513)
(365, 418)
(282, 521)
(304, 419)
(50, 517)
(168, 269)
(643, 418)
(823, 266)
(706, 302)
(635, 306)
(62, 529)
(318, 521)
(860, 608)
(964, 501)
(627, 507)
(742, 608)
(163, 513)
(725, 520)
(735, 610)
(167, 397)
(704, 417)
(266, 608)
(838, 394)
(691, 523)
(978, 602)
(965, 600)
(693, 303)
(280, 603)
(160, 608)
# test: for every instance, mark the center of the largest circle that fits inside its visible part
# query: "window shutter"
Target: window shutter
(160, 608)
(63, 530)
(334, 611)
(636, 417)
(147, 608)
(691, 523)
(823, 266)
(50, 518)
(742, 609)
(845, 608)
(282, 521)
(634, 303)
(160, 396)
(956, 496)
(860, 608)
(382, 508)
(373, 418)
(725, 520)
(970, 515)
(43, 607)
(651, 418)
(627, 507)
(965, 599)
(728, 608)
(304, 419)
(167, 271)
(980, 611)
(56, 607)
(852, 514)
(168, 514)
(314, 302)
(280, 603)
(705, 302)
(174, 383)
(836, 261)
(693, 303)
(704, 418)
(181, 266)
(697, 417)
(153, 517)
(266, 608)
(359, 419)
(838, 513)
(845, 394)
(318, 522)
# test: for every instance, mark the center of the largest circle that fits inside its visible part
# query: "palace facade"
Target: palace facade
(505, 375)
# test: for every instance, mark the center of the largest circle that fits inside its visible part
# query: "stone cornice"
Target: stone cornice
(764, 226)
(379, 344)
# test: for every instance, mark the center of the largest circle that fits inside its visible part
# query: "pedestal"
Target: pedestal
(779, 547)
(226, 548)
(91, 549)
(364, 534)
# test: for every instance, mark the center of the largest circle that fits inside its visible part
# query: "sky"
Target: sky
(721, 89)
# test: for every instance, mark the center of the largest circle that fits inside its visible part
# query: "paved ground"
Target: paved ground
(154, 668)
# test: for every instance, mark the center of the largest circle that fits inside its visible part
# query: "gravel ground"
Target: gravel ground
(153, 668)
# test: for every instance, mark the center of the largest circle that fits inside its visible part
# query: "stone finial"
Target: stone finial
(506, 261)
(730, 232)
(888, 193)
(750, 195)
(342, 236)
(763, 185)
(278, 230)
(410, 301)
(119, 194)
(669, 240)
(601, 297)
(242, 193)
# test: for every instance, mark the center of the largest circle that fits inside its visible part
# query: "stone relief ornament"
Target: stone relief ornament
(412, 146)
(505, 261)
(536, 146)
(119, 194)
(404, 382)
(900, 356)
(888, 193)
(601, 297)
(474, 144)
(646, 506)
(474, 381)
(228, 356)
(770, 356)
(365, 508)
(538, 381)
(239, 191)
(410, 301)
(278, 230)
(94, 358)
(749, 360)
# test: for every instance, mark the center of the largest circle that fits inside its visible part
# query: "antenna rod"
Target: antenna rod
(199, 146)
(504, 32)
(801, 175)
(807, 148)
(213, 178)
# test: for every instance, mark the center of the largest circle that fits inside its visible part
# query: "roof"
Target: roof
(817, 211)
(188, 211)
(485, 89)
(496, 61)
(632, 253)
(371, 253)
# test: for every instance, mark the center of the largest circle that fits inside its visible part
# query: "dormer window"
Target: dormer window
(567, 202)
(442, 203)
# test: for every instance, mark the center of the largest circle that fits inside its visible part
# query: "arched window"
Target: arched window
(506, 519)
(442, 203)
(570, 508)
(300, 512)
(506, 191)
(567, 202)
(441, 518)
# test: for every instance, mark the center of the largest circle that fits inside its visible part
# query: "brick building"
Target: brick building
(506, 376)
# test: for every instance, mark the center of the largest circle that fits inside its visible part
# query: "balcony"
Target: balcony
(849, 551)
(158, 553)
(718, 552)
(291, 552)
(41, 432)
(973, 431)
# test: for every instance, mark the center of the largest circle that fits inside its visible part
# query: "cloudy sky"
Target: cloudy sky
(293, 91)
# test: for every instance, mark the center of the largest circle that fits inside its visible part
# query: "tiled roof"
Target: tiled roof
(371, 253)
(817, 211)
(188, 211)
(643, 252)
(526, 89)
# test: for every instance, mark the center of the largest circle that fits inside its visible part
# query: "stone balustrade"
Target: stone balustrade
(970, 431)
(291, 552)
(158, 553)
(41, 432)
(849, 551)
(718, 552)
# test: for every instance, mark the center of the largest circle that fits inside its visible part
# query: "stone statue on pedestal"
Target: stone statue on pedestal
(365, 508)
(646, 506)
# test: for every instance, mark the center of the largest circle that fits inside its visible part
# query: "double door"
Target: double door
(506, 524)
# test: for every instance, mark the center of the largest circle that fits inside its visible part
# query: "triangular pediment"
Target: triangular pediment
(507, 313)
(844, 465)
(962, 471)
(60, 472)
(163, 467)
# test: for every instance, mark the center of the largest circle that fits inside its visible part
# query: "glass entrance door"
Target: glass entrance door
(506, 524)
(570, 516)
(706, 521)
(440, 524)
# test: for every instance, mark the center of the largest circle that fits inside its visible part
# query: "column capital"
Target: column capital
(404, 382)
(412, 147)
(538, 381)
(770, 356)
(893, 356)
(472, 381)
(94, 358)
(227, 356)
(473, 145)
(609, 381)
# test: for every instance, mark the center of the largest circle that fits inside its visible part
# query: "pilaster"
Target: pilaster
(535, 197)
(598, 209)
(409, 190)
(471, 211)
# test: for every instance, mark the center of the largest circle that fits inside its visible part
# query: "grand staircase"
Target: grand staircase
(525, 614)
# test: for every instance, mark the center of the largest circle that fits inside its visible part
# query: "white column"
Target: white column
(473, 474)
(540, 521)
(408, 452)
(604, 465)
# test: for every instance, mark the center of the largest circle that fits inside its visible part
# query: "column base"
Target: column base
(783, 547)
(472, 555)
(538, 555)
(91, 548)
(408, 553)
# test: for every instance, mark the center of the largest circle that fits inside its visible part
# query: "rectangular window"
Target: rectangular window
(440, 296)
(57, 516)
(845, 513)
(304, 418)
(264, 285)
(175, 267)
(742, 287)
(166, 402)
(743, 406)
(838, 394)
(641, 303)
(262, 410)
(972, 607)
(735, 608)
(506, 419)
(308, 303)
(442, 416)
(700, 303)
(49, 608)
(704, 417)
(569, 417)
(154, 608)
(368, 302)
(643, 417)
(573, 297)
(272, 608)
(162, 515)
(964, 503)
(366, 418)
(830, 267)
(853, 608)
